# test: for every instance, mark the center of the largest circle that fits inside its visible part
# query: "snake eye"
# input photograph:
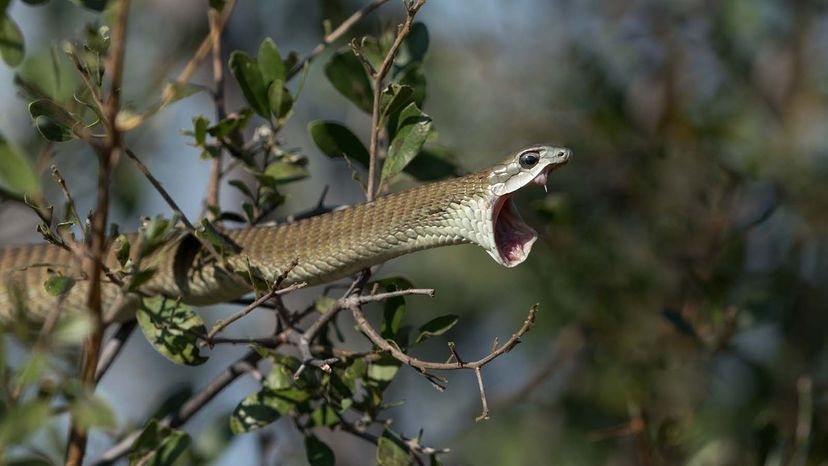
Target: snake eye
(529, 159)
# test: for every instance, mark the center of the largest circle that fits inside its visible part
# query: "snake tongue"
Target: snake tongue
(513, 238)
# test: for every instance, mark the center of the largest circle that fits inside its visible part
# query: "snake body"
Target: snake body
(475, 208)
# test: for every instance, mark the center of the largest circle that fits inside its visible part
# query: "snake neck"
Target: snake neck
(337, 244)
(324, 248)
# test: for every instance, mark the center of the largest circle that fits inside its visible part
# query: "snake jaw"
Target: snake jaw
(513, 238)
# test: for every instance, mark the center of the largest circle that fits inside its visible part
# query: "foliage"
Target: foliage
(684, 246)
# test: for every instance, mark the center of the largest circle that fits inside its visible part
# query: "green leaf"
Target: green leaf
(275, 95)
(97, 38)
(169, 327)
(384, 369)
(324, 416)
(282, 171)
(207, 231)
(395, 97)
(52, 131)
(357, 370)
(217, 4)
(259, 409)
(239, 184)
(375, 49)
(437, 326)
(230, 124)
(251, 82)
(324, 304)
(11, 42)
(94, 5)
(348, 76)
(335, 140)
(318, 453)
(16, 172)
(155, 234)
(57, 285)
(122, 247)
(180, 91)
(140, 277)
(392, 451)
(431, 164)
(281, 376)
(413, 128)
(253, 413)
(393, 313)
(414, 77)
(415, 46)
(53, 122)
(158, 445)
(270, 63)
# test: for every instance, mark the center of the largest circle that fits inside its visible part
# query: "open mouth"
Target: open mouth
(513, 238)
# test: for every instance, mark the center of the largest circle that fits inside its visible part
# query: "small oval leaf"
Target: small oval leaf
(16, 172)
(318, 453)
(348, 76)
(437, 326)
(57, 285)
(251, 82)
(413, 129)
(170, 326)
(270, 62)
(335, 140)
(392, 451)
(11, 42)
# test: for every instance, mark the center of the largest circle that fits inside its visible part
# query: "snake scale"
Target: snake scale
(475, 208)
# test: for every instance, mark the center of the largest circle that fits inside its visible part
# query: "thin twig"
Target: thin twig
(66, 193)
(423, 366)
(485, 414)
(173, 205)
(163, 192)
(113, 348)
(306, 338)
(212, 198)
(376, 124)
(275, 291)
(189, 408)
(378, 340)
(335, 34)
(78, 433)
(202, 51)
(356, 300)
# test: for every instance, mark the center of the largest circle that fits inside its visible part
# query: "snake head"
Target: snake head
(512, 237)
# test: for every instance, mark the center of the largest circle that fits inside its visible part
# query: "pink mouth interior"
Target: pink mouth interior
(513, 237)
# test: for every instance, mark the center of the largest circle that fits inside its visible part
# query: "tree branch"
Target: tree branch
(423, 366)
(189, 408)
(78, 433)
(113, 348)
(376, 124)
(275, 291)
(212, 198)
(335, 34)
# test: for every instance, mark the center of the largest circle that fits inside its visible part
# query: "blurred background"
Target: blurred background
(682, 263)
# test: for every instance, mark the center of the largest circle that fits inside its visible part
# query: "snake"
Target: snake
(476, 208)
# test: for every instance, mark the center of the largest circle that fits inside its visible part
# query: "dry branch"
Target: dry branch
(424, 366)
